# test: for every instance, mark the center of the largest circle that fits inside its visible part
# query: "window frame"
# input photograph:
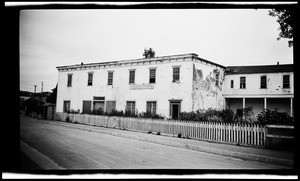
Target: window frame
(110, 79)
(69, 80)
(132, 76)
(64, 106)
(152, 109)
(152, 78)
(131, 107)
(90, 78)
(243, 83)
(265, 82)
(286, 83)
(176, 75)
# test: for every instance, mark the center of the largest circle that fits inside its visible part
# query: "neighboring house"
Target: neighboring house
(24, 95)
(164, 85)
(260, 87)
(168, 85)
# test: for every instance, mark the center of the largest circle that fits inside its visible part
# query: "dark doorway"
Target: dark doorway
(175, 111)
(175, 107)
(86, 107)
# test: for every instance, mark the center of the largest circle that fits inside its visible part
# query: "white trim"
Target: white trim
(258, 95)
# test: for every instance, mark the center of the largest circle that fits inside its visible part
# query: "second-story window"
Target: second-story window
(231, 83)
(69, 84)
(242, 82)
(110, 78)
(152, 76)
(263, 82)
(176, 74)
(286, 81)
(131, 76)
(90, 78)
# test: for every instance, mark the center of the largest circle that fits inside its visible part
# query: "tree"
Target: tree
(287, 21)
(52, 97)
(149, 53)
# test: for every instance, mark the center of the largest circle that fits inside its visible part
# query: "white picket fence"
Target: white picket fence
(245, 134)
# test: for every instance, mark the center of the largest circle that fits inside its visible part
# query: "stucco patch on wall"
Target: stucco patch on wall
(205, 92)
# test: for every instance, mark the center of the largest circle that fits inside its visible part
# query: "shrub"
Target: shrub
(98, 111)
(227, 115)
(72, 111)
(149, 115)
(128, 113)
(116, 113)
(210, 113)
(188, 116)
(274, 117)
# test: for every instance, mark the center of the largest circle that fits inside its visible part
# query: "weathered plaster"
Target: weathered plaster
(205, 92)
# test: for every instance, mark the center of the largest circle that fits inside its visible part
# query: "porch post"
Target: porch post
(265, 103)
(244, 102)
(291, 107)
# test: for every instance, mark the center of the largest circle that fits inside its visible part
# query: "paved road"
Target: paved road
(53, 146)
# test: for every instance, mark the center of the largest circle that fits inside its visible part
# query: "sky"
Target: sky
(230, 37)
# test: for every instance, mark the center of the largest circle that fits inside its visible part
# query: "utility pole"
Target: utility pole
(42, 87)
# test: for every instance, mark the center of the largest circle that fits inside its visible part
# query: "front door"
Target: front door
(175, 107)
(86, 107)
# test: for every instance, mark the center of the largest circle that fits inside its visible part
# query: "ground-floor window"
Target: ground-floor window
(151, 107)
(130, 106)
(97, 105)
(67, 105)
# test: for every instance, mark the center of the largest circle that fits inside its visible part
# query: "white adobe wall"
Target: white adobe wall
(205, 93)
(120, 91)
(277, 97)
(274, 84)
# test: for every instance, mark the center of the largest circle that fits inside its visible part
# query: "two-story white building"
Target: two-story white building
(260, 87)
(165, 85)
(168, 85)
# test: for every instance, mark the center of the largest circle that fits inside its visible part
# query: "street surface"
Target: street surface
(54, 146)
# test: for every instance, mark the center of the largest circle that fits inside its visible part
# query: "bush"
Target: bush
(227, 115)
(149, 115)
(128, 113)
(116, 113)
(98, 111)
(274, 117)
(72, 111)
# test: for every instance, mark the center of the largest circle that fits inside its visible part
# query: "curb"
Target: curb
(240, 155)
(38, 158)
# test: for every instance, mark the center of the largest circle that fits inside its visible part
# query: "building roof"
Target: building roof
(159, 58)
(259, 69)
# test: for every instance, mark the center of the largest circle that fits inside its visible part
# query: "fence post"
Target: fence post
(265, 131)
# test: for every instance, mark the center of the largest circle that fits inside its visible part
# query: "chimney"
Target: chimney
(277, 63)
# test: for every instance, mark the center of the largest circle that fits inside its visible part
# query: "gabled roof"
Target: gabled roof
(259, 69)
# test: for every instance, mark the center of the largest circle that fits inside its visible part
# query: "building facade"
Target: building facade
(260, 87)
(168, 85)
(164, 85)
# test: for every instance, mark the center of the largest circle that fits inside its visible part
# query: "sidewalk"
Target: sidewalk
(276, 157)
